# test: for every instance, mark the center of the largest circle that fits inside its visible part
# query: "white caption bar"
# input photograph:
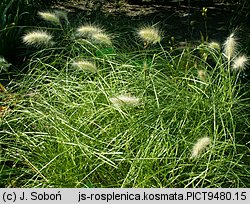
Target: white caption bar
(125, 195)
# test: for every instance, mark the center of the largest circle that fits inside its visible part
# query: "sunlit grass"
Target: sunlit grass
(64, 130)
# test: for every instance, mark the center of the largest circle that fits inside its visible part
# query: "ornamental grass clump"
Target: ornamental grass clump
(122, 100)
(150, 35)
(38, 38)
(85, 66)
(50, 17)
(200, 146)
(240, 63)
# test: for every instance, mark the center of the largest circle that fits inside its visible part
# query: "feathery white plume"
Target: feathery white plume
(230, 46)
(85, 65)
(87, 30)
(38, 38)
(49, 16)
(102, 38)
(200, 146)
(239, 63)
(125, 100)
(214, 45)
(149, 34)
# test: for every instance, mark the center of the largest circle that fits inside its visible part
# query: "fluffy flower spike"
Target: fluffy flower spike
(50, 17)
(150, 34)
(214, 45)
(230, 46)
(102, 38)
(87, 30)
(122, 100)
(38, 38)
(239, 63)
(200, 146)
(85, 65)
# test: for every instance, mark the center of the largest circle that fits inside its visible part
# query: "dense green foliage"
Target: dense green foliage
(62, 127)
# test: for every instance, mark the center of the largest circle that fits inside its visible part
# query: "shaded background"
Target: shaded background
(181, 19)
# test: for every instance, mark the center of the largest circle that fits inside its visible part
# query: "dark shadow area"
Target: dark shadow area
(180, 20)
(186, 23)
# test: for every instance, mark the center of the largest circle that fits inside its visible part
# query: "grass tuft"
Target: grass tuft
(68, 128)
